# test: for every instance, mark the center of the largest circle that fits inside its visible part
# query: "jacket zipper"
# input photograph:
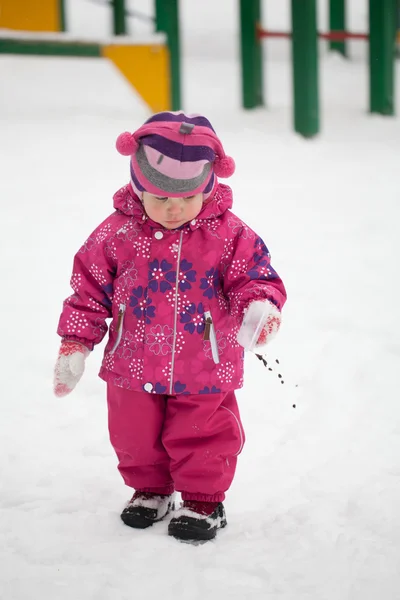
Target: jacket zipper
(209, 335)
(176, 312)
(120, 327)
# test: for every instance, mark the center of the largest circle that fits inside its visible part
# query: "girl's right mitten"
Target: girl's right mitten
(69, 367)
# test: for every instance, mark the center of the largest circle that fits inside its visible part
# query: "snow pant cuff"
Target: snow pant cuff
(163, 491)
(218, 497)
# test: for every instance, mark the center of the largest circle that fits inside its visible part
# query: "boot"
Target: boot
(197, 521)
(146, 508)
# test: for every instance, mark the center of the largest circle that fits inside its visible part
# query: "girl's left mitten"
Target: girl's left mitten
(261, 322)
(69, 367)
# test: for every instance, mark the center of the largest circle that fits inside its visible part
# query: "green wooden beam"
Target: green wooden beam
(48, 48)
(167, 20)
(337, 22)
(251, 54)
(61, 13)
(305, 67)
(382, 44)
(119, 17)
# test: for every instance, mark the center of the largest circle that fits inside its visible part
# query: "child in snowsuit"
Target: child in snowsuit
(176, 271)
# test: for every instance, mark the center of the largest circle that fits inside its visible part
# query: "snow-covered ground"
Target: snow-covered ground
(314, 509)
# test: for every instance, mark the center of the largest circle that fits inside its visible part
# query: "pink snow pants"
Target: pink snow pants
(187, 443)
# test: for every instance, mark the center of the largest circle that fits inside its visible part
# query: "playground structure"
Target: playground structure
(384, 19)
(150, 63)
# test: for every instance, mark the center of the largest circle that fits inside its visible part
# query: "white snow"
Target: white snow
(314, 510)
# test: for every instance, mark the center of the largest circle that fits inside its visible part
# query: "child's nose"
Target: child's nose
(175, 206)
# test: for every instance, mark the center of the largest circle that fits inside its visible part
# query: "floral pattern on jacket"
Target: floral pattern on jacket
(175, 297)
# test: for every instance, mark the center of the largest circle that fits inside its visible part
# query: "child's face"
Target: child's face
(171, 212)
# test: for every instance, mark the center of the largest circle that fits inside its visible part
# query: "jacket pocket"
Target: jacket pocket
(210, 336)
(119, 328)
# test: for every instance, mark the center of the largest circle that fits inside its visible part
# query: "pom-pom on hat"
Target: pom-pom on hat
(174, 154)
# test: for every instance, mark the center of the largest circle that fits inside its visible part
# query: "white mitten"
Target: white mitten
(69, 367)
(261, 322)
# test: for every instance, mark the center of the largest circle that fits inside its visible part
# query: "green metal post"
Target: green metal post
(61, 13)
(383, 19)
(167, 20)
(119, 20)
(305, 67)
(337, 22)
(251, 54)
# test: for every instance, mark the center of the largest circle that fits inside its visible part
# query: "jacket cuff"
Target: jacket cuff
(73, 338)
(274, 309)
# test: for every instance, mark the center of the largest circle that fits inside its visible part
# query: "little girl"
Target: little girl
(176, 271)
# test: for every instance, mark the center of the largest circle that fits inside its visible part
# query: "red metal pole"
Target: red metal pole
(334, 36)
(341, 36)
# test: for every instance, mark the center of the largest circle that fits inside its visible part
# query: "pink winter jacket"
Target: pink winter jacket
(175, 297)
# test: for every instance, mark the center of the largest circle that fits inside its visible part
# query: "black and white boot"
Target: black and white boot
(197, 521)
(146, 508)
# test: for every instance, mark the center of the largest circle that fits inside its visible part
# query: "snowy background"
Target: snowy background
(314, 509)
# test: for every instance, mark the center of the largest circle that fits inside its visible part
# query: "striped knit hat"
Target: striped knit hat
(177, 155)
